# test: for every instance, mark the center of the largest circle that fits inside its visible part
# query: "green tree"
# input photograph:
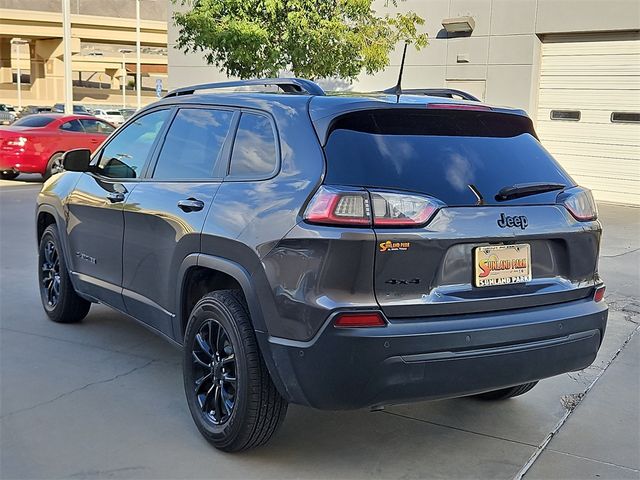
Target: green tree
(311, 38)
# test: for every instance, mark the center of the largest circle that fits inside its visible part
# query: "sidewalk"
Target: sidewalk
(601, 439)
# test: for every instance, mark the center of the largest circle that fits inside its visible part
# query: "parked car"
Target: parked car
(7, 117)
(338, 252)
(32, 110)
(127, 112)
(35, 144)
(77, 109)
(112, 116)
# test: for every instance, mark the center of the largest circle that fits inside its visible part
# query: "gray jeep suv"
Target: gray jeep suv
(338, 252)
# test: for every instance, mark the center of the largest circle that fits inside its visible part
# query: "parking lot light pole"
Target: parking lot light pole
(66, 40)
(18, 42)
(138, 75)
(124, 51)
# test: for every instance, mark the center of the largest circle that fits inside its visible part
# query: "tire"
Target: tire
(506, 393)
(60, 301)
(8, 175)
(230, 394)
(54, 165)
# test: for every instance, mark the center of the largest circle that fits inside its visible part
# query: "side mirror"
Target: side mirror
(77, 160)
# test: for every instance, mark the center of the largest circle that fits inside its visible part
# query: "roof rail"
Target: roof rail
(434, 92)
(287, 85)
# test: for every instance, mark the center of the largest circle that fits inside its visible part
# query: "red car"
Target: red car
(35, 143)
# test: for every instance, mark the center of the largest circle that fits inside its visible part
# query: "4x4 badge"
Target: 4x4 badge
(515, 221)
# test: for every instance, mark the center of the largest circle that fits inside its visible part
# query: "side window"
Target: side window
(193, 144)
(72, 126)
(126, 154)
(96, 126)
(254, 149)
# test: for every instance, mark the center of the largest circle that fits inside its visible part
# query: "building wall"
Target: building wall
(502, 54)
(149, 9)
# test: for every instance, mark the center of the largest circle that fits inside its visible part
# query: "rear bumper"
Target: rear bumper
(437, 357)
(21, 162)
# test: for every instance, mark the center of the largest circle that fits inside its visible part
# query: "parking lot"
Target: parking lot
(104, 398)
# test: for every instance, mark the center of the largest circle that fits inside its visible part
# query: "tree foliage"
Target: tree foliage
(311, 38)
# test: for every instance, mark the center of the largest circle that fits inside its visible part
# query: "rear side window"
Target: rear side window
(34, 121)
(72, 126)
(92, 125)
(126, 154)
(193, 144)
(254, 149)
(438, 153)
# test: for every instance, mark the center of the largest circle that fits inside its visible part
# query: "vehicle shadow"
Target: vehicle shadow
(30, 178)
(400, 441)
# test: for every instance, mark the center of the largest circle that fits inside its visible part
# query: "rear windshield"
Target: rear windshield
(34, 121)
(439, 153)
(113, 112)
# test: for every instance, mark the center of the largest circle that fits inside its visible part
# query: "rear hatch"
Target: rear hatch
(495, 233)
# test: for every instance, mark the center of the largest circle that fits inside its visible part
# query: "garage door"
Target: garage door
(589, 110)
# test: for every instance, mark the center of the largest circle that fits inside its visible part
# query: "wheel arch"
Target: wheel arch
(230, 274)
(44, 218)
(199, 274)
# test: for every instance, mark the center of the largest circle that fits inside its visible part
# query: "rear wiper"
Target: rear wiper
(524, 189)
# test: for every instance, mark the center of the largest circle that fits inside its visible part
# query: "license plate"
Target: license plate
(502, 265)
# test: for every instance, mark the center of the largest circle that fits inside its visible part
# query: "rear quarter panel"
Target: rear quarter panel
(248, 218)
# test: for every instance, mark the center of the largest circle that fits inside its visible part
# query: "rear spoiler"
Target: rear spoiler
(324, 119)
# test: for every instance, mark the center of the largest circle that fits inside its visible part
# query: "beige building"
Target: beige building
(573, 65)
(31, 39)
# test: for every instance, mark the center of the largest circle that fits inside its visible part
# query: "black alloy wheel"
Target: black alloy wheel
(50, 278)
(214, 365)
(60, 301)
(229, 391)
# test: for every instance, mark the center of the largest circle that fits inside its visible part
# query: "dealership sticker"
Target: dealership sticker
(390, 246)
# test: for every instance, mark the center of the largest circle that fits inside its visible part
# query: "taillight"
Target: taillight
(580, 203)
(16, 142)
(458, 106)
(402, 209)
(359, 320)
(341, 206)
(335, 206)
(598, 295)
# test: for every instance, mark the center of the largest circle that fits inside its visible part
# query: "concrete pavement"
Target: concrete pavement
(103, 399)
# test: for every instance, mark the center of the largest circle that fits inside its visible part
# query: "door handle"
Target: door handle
(191, 205)
(115, 197)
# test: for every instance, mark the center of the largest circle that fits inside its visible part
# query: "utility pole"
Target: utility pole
(138, 76)
(66, 40)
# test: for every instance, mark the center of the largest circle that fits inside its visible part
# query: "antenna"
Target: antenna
(397, 90)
